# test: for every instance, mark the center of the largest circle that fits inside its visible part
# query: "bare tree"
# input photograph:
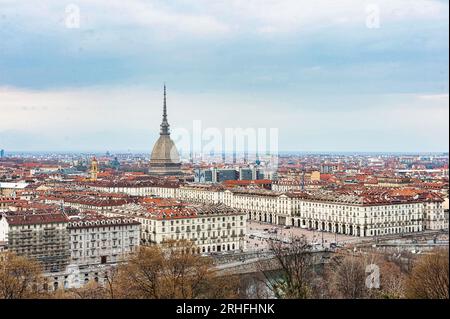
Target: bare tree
(140, 276)
(253, 286)
(92, 290)
(288, 275)
(19, 277)
(185, 273)
(348, 273)
(347, 277)
(110, 280)
(220, 287)
(392, 280)
(171, 271)
(429, 277)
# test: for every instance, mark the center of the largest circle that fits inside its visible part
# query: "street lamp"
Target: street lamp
(322, 238)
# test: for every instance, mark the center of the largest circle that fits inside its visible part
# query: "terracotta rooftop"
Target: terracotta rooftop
(32, 218)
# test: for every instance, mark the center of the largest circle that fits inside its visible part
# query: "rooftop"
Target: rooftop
(32, 218)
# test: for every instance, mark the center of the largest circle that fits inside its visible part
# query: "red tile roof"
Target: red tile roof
(31, 218)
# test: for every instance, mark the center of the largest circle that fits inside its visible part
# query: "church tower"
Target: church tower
(164, 159)
(94, 169)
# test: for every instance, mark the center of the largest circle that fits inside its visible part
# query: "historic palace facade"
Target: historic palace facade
(368, 214)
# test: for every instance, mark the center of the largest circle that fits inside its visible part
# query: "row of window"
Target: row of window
(103, 229)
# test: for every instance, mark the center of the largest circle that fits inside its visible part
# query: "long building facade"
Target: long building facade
(370, 214)
(211, 227)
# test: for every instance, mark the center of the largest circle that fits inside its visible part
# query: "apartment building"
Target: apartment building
(97, 244)
(160, 188)
(97, 239)
(211, 227)
(355, 215)
(434, 212)
(72, 248)
(82, 202)
(5, 203)
(42, 236)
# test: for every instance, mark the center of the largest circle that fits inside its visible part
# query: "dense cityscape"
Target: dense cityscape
(222, 158)
(82, 216)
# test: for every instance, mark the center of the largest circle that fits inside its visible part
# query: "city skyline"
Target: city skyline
(224, 155)
(326, 77)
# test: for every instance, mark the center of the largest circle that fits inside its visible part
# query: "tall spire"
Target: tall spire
(165, 123)
(165, 105)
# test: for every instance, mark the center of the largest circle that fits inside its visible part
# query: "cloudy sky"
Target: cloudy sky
(331, 75)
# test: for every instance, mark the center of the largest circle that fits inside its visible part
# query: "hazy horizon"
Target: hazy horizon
(282, 152)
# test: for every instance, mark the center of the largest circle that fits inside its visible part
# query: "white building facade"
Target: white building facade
(345, 214)
(211, 228)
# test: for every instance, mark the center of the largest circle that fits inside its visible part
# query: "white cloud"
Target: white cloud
(154, 15)
(50, 16)
(270, 16)
(435, 97)
(129, 117)
(217, 17)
